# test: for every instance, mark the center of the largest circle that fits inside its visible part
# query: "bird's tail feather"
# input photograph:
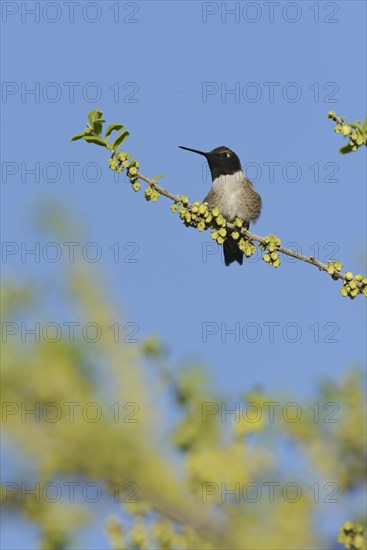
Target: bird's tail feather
(231, 252)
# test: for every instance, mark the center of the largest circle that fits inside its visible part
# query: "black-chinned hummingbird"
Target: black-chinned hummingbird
(232, 193)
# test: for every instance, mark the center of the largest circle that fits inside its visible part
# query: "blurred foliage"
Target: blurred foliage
(172, 486)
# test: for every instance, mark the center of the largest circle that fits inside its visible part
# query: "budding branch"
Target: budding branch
(248, 234)
(352, 285)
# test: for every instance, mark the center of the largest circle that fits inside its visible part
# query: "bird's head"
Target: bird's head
(222, 160)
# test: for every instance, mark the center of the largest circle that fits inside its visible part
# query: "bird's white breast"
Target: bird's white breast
(230, 190)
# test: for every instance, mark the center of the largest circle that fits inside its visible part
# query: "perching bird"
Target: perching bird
(232, 193)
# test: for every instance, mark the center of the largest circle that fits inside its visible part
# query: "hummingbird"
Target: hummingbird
(232, 193)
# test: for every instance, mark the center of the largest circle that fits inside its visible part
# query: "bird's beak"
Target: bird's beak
(194, 151)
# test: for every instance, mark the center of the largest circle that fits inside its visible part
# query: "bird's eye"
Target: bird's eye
(224, 155)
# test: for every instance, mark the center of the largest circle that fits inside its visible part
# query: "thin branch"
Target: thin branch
(248, 234)
(288, 252)
(199, 216)
(158, 188)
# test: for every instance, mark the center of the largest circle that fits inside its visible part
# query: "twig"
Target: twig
(248, 234)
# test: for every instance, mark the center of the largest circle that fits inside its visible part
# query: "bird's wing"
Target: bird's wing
(211, 199)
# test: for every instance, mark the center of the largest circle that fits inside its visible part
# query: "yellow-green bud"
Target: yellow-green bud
(113, 164)
(358, 542)
(348, 276)
(148, 193)
(360, 140)
(220, 220)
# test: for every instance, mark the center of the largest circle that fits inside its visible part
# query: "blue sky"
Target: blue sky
(167, 70)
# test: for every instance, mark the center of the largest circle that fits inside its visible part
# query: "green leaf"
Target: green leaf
(97, 126)
(356, 125)
(96, 140)
(77, 136)
(158, 177)
(94, 115)
(345, 149)
(113, 127)
(119, 140)
(365, 126)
